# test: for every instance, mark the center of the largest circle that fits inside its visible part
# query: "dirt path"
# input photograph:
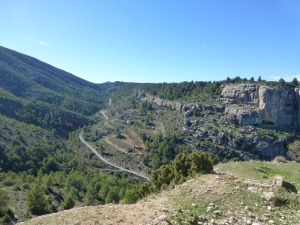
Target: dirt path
(115, 146)
(109, 163)
(104, 115)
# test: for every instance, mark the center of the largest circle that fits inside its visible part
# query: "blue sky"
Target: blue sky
(157, 40)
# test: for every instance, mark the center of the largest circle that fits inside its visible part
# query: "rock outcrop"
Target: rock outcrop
(249, 104)
(160, 102)
(173, 105)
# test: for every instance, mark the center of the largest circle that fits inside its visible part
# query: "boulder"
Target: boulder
(277, 181)
(187, 122)
(270, 197)
(188, 114)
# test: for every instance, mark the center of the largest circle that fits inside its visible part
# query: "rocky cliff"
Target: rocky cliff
(213, 127)
(250, 104)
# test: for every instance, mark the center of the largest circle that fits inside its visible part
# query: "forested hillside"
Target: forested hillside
(37, 93)
(43, 166)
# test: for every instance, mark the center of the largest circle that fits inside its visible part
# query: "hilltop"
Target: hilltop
(233, 195)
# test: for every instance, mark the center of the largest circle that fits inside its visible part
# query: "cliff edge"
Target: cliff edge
(249, 104)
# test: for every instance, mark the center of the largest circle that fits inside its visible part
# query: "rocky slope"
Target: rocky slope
(247, 121)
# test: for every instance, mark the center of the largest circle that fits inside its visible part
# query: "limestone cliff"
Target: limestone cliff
(254, 103)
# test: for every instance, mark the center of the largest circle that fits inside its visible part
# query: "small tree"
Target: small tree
(281, 82)
(68, 202)
(37, 201)
(259, 79)
(295, 82)
(131, 196)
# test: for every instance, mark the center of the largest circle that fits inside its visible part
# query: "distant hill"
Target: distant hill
(37, 93)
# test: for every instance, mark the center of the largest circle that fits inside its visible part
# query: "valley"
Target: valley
(130, 152)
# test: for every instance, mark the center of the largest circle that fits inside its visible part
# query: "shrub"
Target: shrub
(7, 218)
(37, 201)
(183, 166)
(131, 196)
(68, 202)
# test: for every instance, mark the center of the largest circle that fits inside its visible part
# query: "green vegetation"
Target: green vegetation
(294, 150)
(239, 197)
(4, 199)
(186, 91)
(183, 166)
(263, 171)
(163, 149)
(37, 201)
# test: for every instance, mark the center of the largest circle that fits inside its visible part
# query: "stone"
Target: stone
(161, 220)
(270, 197)
(209, 209)
(217, 212)
(277, 181)
(188, 114)
(187, 122)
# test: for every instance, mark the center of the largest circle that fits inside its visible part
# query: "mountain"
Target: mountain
(37, 93)
(41, 109)
(145, 129)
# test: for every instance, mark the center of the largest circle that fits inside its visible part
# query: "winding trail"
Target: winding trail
(106, 161)
(109, 163)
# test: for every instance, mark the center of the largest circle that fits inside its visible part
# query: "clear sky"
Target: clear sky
(157, 40)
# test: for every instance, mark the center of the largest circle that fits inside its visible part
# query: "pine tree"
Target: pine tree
(37, 201)
(259, 79)
(68, 202)
(295, 82)
(281, 82)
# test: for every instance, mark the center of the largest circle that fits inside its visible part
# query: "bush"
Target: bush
(7, 218)
(68, 202)
(37, 201)
(131, 196)
(183, 166)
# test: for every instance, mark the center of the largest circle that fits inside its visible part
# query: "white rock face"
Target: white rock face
(240, 94)
(254, 103)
